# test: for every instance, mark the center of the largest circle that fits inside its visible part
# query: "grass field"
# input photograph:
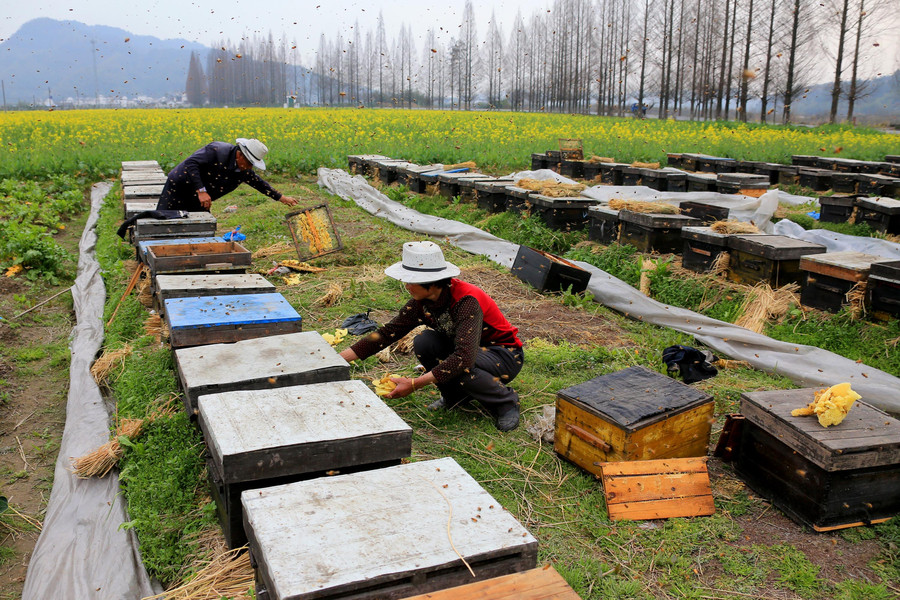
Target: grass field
(747, 549)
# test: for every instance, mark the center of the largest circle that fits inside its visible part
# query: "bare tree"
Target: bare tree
(195, 87)
(746, 74)
(838, 61)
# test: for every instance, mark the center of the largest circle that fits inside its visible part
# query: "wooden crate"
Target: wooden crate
(143, 248)
(818, 180)
(657, 489)
(382, 534)
(518, 200)
(543, 583)
(650, 232)
(830, 276)
(883, 290)
(771, 258)
(604, 224)
(837, 208)
(195, 224)
(702, 247)
(549, 273)
(491, 195)
(705, 212)
(257, 364)
(166, 287)
(633, 414)
(197, 257)
(881, 214)
(257, 438)
(826, 478)
(563, 213)
(225, 319)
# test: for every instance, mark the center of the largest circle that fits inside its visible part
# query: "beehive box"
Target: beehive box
(771, 258)
(562, 213)
(836, 208)
(194, 225)
(428, 182)
(719, 164)
(675, 159)
(831, 276)
(631, 175)
(142, 193)
(591, 171)
(656, 179)
(385, 169)
(874, 167)
(701, 182)
(132, 209)
(166, 287)
(804, 160)
(381, 534)
(490, 195)
(224, 319)
(553, 160)
(788, 174)
(878, 185)
(883, 290)
(197, 257)
(702, 247)
(881, 214)
(538, 161)
(409, 175)
(257, 364)
(543, 583)
(612, 173)
(747, 166)
(359, 163)
(676, 181)
(844, 183)
(467, 191)
(143, 248)
(549, 273)
(847, 165)
(705, 212)
(448, 183)
(742, 183)
(633, 414)
(650, 232)
(572, 168)
(139, 165)
(818, 180)
(259, 438)
(770, 170)
(825, 162)
(131, 178)
(604, 224)
(827, 478)
(518, 200)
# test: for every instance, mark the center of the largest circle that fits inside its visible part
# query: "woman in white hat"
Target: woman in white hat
(215, 170)
(470, 351)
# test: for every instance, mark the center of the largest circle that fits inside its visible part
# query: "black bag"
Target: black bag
(692, 364)
(359, 324)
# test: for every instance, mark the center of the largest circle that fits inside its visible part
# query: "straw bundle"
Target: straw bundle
(725, 363)
(384, 355)
(601, 159)
(331, 295)
(101, 461)
(643, 165)
(852, 218)
(276, 248)
(463, 165)
(764, 304)
(109, 360)
(639, 206)
(551, 188)
(155, 326)
(145, 295)
(227, 575)
(405, 344)
(723, 261)
(646, 266)
(733, 227)
(129, 265)
(856, 298)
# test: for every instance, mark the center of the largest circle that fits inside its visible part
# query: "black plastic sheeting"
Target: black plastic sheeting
(82, 552)
(806, 366)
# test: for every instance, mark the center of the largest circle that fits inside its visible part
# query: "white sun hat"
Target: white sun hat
(254, 151)
(423, 262)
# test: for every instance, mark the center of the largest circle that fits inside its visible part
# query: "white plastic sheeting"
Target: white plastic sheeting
(804, 365)
(82, 554)
(839, 242)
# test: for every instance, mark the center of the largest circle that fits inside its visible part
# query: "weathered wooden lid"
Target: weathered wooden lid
(846, 265)
(562, 202)
(883, 205)
(333, 536)
(657, 221)
(183, 284)
(844, 200)
(705, 234)
(886, 269)
(867, 437)
(497, 184)
(634, 397)
(774, 247)
(603, 211)
(743, 178)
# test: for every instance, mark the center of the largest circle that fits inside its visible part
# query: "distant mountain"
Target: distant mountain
(882, 99)
(70, 60)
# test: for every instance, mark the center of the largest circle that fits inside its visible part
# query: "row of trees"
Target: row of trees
(698, 59)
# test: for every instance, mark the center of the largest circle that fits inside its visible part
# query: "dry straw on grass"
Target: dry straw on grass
(601, 159)
(463, 165)
(108, 361)
(145, 294)
(638, 206)
(227, 575)
(646, 266)
(331, 295)
(763, 304)
(723, 261)
(277, 248)
(551, 188)
(101, 461)
(155, 326)
(643, 165)
(733, 227)
(405, 344)
(725, 363)
(856, 298)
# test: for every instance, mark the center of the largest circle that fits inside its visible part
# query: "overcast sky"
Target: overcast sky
(302, 22)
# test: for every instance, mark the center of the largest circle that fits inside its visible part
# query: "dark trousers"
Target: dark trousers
(169, 199)
(485, 382)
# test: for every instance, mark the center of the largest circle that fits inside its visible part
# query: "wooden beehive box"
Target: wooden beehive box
(631, 175)
(518, 200)
(818, 180)
(257, 364)
(827, 478)
(381, 534)
(359, 163)
(788, 174)
(224, 319)
(825, 162)
(676, 181)
(131, 178)
(706, 212)
(612, 173)
(166, 287)
(604, 224)
(836, 208)
(139, 165)
(844, 183)
(702, 247)
(701, 182)
(772, 258)
(769, 170)
(572, 168)
(847, 165)
(742, 183)
(651, 232)
(143, 248)
(633, 414)
(132, 209)
(549, 273)
(258, 438)
(142, 193)
(591, 171)
(675, 159)
(553, 160)
(881, 214)
(490, 195)
(655, 179)
(872, 184)
(538, 161)
(883, 290)
(197, 257)
(450, 184)
(409, 174)
(543, 583)
(804, 160)
(385, 169)
(195, 224)
(562, 213)
(831, 276)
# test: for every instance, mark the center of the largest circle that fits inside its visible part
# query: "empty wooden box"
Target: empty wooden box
(258, 438)
(143, 248)
(381, 534)
(827, 478)
(549, 273)
(771, 258)
(651, 232)
(633, 414)
(194, 257)
(831, 276)
(258, 364)
(224, 319)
